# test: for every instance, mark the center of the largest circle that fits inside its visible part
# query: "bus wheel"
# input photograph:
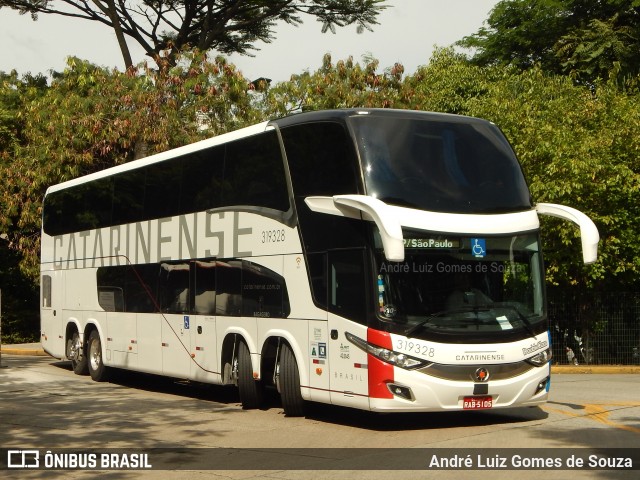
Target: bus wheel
(250, 390)
(76, 355)
(289, 380)
(97, 368)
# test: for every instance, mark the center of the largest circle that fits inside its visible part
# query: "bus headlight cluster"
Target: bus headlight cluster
(396, 359)
(541, 358)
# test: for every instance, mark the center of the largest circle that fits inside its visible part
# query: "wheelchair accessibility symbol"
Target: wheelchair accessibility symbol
(478, 247)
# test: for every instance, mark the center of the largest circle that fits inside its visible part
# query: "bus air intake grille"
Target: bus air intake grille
(465, 373)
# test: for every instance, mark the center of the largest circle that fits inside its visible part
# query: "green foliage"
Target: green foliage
(20, 319)
(343, 85)
(602, 49)
(448, 84)
(520, 33)
(587, 39)
(14, 92)
(577, 148)
(91, 118)
(20, 315)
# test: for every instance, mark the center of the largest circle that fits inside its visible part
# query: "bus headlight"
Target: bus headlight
(396, 359)
(541, 358)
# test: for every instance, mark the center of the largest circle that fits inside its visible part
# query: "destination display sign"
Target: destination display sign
(428, 243)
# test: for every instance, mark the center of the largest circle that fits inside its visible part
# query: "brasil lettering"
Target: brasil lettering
(194, 235)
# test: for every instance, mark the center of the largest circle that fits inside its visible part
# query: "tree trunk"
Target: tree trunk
(115, 20)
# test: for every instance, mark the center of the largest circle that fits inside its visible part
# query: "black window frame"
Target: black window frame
(173, 287)
(257, 183)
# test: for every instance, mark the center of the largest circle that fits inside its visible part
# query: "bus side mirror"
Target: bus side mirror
(369, 208)
(588, 231)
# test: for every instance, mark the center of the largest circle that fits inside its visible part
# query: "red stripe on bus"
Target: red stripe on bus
(380, 373)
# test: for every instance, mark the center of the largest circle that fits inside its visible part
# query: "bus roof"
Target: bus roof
(342, 114)
(339, 115)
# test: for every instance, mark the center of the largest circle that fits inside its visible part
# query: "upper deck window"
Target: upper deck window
(441, 165)
(248, 172)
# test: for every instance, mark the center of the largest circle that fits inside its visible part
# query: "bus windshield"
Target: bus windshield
(441, 166)
(472, 287)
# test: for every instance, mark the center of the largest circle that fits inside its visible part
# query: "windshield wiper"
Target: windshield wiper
(425, 322)
(526, 323)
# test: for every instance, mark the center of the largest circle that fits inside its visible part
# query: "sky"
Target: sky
(407, 33)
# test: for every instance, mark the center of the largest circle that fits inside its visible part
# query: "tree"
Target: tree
(227, 26)
(13, 93)
(88, 119)
(91, 118)
(19, 292)
(587, 38)
(345, 84)
(599, 50)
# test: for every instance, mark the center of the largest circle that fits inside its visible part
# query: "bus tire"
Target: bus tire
(292, 401)
(77, 355)
(250, 390)
(97, 368)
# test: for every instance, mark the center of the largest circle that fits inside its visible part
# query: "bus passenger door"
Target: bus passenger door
(203, 328)
(306, 301)
(346, 299)
(176, 343)
(51, 328)
(173, 298)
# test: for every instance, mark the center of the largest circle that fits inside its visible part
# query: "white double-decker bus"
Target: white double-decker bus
(379, 259)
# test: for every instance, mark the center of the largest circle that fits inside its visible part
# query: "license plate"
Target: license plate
(477, 403)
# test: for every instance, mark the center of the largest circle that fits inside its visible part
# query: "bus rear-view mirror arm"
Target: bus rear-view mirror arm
(588, 231)
(369, 208)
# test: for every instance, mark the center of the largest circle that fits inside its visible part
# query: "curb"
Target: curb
(595, 369)
(24, 351)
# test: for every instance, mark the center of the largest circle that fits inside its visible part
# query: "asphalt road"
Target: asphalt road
(44, 406)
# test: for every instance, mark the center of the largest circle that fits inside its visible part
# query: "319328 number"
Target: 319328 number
(416, 348)
(273, 236)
